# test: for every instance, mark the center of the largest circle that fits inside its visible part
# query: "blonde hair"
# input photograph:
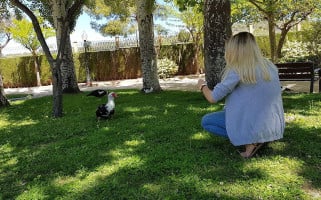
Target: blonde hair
(243, 55)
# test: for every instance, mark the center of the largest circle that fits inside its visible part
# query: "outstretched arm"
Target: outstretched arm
(206, 91)
(222, 89)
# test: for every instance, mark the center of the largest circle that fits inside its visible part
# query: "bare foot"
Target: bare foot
(250, 150)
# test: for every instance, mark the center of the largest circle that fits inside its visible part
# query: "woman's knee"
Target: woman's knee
(204, 121)
(217, 117)
(214, 123)
(207, 120)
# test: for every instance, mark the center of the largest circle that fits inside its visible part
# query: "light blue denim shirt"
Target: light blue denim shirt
(254, 112)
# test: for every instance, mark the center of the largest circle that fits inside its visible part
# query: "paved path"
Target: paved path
(187, 83)
(178, 82)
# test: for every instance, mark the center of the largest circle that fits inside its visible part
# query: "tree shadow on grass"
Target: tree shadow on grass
(304, 144)
(303, 134)
(153, 148)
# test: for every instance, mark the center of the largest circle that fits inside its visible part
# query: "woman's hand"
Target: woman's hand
(200, 83)
(202, 86)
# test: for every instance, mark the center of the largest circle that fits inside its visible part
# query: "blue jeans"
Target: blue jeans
(215, 123)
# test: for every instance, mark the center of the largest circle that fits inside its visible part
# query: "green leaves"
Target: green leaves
(115, 16)
(23, 32)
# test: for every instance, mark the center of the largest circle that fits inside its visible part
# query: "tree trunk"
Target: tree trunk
(272, 38)
(147, 48)
(284, 32)
(69, 81)
(3, 99)
(55, 64)
(57, 106)
(2, 46)
(195, 69)
(37, 69)
(217, 28)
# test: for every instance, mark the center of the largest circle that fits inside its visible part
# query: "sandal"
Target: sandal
(256, 147)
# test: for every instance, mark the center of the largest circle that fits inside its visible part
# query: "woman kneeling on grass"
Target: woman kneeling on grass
(253, 113)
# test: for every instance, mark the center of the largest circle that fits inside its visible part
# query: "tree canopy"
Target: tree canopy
(66, 20)
(283, 15)
(22, 31)
(113, 17)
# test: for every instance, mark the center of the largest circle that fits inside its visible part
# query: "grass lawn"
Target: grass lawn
(153, 148)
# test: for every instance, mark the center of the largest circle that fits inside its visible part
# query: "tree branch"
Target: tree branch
(73, 10)
(256, 4)
(7, 41)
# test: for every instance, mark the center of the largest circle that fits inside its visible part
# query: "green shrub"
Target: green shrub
(19, 71)
(181, 54)
(294, 51)
(295, 36)
(312, 35)
(183, 36)
(166, 68)
(264, 44)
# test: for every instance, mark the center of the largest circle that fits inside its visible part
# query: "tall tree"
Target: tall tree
(60, 10)
(146, 42)
(22, 31)
(217, 29)
(54, 11)
(122, 12)
(283, 15)
(5, 37)
(193, 19)
(55, 63)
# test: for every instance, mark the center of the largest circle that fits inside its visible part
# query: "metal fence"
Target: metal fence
(111, 45)
(103, 45)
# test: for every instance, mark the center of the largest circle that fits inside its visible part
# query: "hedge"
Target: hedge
(120, 64)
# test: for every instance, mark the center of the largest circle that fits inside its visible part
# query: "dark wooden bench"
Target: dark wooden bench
(300, 71)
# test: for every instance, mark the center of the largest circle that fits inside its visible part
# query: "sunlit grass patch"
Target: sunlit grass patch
(200, 136)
